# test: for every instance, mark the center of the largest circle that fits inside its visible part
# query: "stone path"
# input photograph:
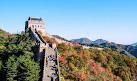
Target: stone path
(51, 68)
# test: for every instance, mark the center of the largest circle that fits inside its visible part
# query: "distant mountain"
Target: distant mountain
(88, 41)
(99, 41)
(82, 40)
(130, 50)
(134, 44)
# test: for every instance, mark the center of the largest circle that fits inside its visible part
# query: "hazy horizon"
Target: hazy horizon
(114, 21)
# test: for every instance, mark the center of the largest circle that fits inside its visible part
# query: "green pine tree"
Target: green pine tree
(28, 69)
(11, 68)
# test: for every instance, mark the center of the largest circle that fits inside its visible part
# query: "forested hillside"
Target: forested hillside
(78, 64)
(17, 58)
(17, 62)
(123, 49)
(4, 33)
(57, 36)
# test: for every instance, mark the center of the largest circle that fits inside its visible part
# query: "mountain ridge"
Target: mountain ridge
(85, 40)
(82, 40)
(99, 41)
(134, 44)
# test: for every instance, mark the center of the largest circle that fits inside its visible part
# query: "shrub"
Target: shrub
(40, 32)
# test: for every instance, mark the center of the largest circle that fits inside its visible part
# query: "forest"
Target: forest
(17, 61)
(78, 64)
(17, 57)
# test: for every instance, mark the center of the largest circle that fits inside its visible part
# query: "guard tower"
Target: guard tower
(36, 23)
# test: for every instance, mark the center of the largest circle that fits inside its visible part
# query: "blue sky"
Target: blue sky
(112, 20)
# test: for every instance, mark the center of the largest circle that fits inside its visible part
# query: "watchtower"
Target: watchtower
(36, 23)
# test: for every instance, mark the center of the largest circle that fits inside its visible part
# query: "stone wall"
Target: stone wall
(43, 48)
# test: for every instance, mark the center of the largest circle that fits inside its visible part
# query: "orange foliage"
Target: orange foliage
(48, 40)
(62, 59)
(103, 58)
(96, 67)
(88, 72)
(81, 76)
(40, 32)
(1, 47)
(75, 44)
(70, 54)
(85, 58)
(117, 79)
(72, 66)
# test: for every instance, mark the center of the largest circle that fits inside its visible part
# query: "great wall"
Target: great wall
(49, 67)
(47, 53)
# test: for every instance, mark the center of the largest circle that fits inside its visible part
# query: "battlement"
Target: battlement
(36, 23)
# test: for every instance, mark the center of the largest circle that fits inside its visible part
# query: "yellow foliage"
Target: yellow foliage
(1, 47)
(72, 66)
(40, 32)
